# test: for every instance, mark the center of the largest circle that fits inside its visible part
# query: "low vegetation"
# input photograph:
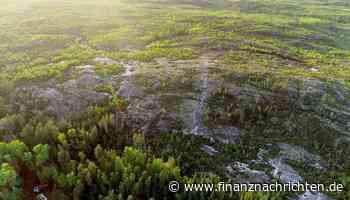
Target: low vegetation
(98, 155)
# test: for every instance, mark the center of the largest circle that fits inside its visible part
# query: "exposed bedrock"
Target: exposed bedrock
(204, 98)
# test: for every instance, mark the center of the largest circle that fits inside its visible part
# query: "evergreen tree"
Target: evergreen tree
(41, 152)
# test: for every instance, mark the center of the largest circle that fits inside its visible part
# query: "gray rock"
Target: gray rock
(145, 112)
(105, 61)
(63, 100)
(311, 94)
(241, 173)
(163, 126)
(54, 101)
(85, 69)
(284, 172)
(313, 196)
(209, 150)
(128, 89)
(342, 94)
(299, 154)
(335, 118)
(156, 85)
(88, 80)
(313, 97)
(226, 135)
(70, 101)
(281, 169)
(186, 109)
(87, 76)
(198, 112)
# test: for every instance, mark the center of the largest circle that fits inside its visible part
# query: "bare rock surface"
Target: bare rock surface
(175, 96)
(62, 99)
(284, 172)
(209, 150)
(106, 61)
(242, 173)
(313, 196)
(299, 154)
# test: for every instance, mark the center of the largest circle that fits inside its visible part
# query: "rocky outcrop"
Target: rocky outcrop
(241, 173)
(312, 196)
(226, 135)
(62, 99)
(175, 96)
(284, 172)
(281, 168)
(329, 102)
(106, 61)
(300, 155)
(209, 150)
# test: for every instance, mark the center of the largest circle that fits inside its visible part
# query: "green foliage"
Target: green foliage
(41, 153)
(126, 175)
(97, 156)
(108, 70)
(45, 72)
(139, 140)
(7, 175)
(12, 156)
(10, 123)
(155, 51)
(13, 151)
(9, 184)
(344, 179)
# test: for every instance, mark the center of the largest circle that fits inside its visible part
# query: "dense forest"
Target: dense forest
(115, 99)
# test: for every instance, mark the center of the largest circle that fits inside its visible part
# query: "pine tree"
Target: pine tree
(9, 185)
(41, 152)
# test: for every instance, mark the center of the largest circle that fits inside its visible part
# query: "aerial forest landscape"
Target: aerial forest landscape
(142, 99)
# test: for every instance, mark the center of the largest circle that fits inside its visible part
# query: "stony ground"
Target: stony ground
(229, 72)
